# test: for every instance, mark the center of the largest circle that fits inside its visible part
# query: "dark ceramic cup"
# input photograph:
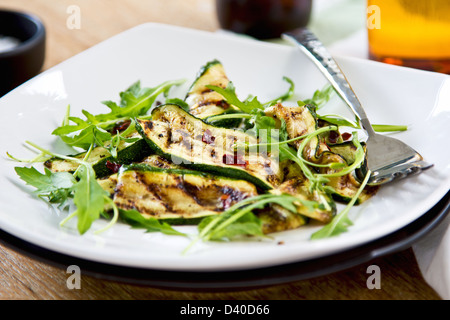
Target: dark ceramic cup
(263, 19)
(24, 60)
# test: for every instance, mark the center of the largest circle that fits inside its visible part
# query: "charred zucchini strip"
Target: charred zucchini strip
(299, 120)
(275, 218)
(177, 194)
(344, 188)
(204, 102)
(299, 188)
(184, 139)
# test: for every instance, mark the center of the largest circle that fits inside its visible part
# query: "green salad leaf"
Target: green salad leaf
(135, 101)
(88, 198)
(229, 93)
(55, 186)
(341, 221)
(136, 220)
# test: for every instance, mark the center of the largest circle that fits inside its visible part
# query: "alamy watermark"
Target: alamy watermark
(374, 280)
(373, 17)
(74, 280)
(74, 19)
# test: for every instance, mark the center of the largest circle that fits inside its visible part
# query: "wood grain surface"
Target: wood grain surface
(23, 277)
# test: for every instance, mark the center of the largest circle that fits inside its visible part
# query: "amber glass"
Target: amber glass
(412, 33)
(263, 19)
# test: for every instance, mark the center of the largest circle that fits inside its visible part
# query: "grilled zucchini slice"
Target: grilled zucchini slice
(276, 219)
(204, 102)
(109, 183)
(103, 163)
(299, 120)
(344, 188)
(299, 187)
(157, 161)
(177, 193)
(184, 139)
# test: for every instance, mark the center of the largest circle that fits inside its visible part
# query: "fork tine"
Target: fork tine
(398, 172)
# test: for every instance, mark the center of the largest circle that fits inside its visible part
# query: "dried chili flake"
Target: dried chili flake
(346, 136)
(208, 137)
(113, 166)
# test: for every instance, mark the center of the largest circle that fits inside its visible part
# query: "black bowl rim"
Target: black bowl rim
(32, 42)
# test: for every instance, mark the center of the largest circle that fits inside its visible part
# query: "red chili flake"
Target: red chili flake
(121, 126)
(113, 166)
(333, 136)
(208, 137)
(346, 136)
(223, 104)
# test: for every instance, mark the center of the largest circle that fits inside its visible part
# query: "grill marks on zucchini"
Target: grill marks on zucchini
(299, 120)
(275, 218)
(177, 194)
(181, 138)
(204, 102)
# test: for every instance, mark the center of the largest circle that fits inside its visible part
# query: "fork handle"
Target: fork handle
(318, 53)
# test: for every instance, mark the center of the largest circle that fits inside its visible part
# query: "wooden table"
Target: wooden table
(22, 277)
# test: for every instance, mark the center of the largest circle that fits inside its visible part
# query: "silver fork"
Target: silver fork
(388, 159)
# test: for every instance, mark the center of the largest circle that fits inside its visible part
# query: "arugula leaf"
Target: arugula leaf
(55, 186)
(135, 101)
(47, 182)
(178, 102)
(88, 198)
(112, 144)
(86, 137)
(229, 93)
(343, 122)
(221, 227)
(248, 225)
(136, 220)
(320, 97)
(341, 222)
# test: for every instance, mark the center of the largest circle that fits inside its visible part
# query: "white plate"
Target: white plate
(154, 53)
